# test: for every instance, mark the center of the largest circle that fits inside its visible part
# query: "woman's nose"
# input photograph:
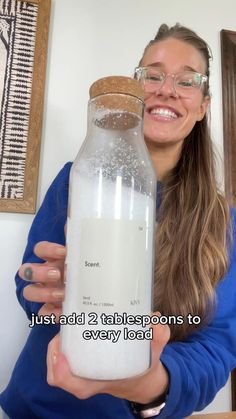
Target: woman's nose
(167, 87)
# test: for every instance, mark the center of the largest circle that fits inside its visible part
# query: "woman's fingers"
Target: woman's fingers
(50, 251)
(46, 279)
(142, 388)
(59, 374)
(42, 272)
(161, 336)
(43, 294)
(53, 349)
(49, 308)
(52, 270)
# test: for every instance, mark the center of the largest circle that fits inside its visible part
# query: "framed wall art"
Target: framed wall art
(228, 64)
(23, 47)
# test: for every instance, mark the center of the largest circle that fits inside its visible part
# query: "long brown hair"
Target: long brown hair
(193, 221)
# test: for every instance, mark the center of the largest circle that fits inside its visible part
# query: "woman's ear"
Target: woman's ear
(203, 107)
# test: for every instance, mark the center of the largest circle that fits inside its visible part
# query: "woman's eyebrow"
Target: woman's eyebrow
(156, 64)
(183, 68)
(188, 68)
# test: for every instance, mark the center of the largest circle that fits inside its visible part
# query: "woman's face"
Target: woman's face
(168, 117)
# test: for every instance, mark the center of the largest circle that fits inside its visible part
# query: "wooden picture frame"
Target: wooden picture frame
(24, 26)
(233, 389)
(228, 64)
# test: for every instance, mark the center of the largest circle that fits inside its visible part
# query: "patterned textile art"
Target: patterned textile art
(17, 44)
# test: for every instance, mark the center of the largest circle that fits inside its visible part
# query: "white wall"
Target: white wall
(91, 39)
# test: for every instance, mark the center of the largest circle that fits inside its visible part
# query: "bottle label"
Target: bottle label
(114, 265)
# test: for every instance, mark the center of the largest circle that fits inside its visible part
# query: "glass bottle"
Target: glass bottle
(110, 238)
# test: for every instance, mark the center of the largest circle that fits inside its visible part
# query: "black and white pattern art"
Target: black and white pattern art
(18, 21)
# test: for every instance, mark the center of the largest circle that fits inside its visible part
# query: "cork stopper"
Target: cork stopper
(117, 84)
(119, 100)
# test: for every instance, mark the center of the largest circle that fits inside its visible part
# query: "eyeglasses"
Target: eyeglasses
(185, 83)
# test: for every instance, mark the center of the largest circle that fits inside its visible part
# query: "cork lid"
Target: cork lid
(117, 84)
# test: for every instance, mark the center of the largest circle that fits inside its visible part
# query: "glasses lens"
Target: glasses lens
(188, 80)
(153, 78)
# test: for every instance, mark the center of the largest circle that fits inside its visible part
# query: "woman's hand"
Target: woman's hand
(141, 389)
(47, 279)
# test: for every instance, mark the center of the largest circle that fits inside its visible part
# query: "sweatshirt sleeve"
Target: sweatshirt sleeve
(200, 366)
(48, 225)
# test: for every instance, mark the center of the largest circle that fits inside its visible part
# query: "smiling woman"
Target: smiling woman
(177, 137)
(174, 102)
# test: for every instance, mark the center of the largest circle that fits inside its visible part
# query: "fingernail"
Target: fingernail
(54, 357)
(28, 274)
(53, 274)
(61, 251)
(59, 294)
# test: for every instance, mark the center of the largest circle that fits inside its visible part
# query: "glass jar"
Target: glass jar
(110, 238)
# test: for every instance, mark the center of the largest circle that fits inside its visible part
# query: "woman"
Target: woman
(194, 272)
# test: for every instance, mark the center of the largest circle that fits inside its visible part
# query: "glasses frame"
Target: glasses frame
(139, 74)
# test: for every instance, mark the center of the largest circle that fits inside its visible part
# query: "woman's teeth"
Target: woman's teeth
(163, 112)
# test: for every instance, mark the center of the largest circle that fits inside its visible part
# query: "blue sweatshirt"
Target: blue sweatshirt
(198, 367)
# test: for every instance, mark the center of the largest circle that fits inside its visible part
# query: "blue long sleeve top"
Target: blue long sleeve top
(198, 367)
